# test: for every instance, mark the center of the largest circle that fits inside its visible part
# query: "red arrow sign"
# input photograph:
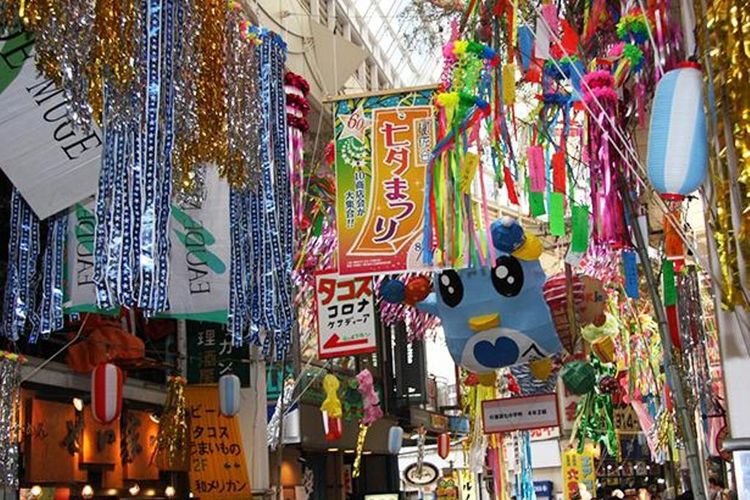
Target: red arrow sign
(335, 342)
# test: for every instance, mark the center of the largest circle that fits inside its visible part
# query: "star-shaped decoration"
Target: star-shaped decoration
(355, 125)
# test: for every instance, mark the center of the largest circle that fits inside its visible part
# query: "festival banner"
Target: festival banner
(218, 470)
(383, 145)
(346, 315)
(198, 262)
(578, 472)
(520, 413)
(53, 164)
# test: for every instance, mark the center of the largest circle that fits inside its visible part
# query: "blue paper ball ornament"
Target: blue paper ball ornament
(393, 291)
(507, 235)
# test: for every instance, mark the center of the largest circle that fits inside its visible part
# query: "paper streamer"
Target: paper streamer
(558, 171)
(537, 169)
(630, 270)
(557, 214)
(536, 203)
(670, 289)
(580, 228)
(525, 46)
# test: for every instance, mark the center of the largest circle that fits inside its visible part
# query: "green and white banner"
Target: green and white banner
(52, 164)
(198, 262)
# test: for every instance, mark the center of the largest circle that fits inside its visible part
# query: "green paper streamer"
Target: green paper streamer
(556, 214)
(670, 290)
(536, 203)
(580, 223)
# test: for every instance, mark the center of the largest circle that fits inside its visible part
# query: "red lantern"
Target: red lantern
(444, 445)
(106, 393)
(333, 427)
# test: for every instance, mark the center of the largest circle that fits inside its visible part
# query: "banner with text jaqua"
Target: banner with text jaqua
(198, 259)
(383, 145)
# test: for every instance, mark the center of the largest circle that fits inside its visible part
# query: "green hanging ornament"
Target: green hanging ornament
(579, 377)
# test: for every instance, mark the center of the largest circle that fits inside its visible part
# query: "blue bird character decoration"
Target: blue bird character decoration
(496, 317)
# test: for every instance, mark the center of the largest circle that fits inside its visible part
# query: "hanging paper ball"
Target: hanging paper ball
(395, 439)
(579, 377)
(541, 369)
(444, 445)
(417, 289)
(609, 385)
(677, 140)
(507, 235)
(106, 393)
(393, 291)
(229, 395)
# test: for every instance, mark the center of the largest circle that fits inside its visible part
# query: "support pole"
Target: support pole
(673, 377)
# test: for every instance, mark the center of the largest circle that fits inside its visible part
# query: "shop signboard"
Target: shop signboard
(578, 471)
(211, 354)
(383, 145)
(544, 433)
(139, 445)
(523, 413)
(626, 420)
(53, 437)
(346, 315)
(543, 489)
(434, 422)
(218, 469)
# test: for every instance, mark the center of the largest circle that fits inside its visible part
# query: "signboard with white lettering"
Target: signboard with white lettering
(516, 414)
(52, 164)
(346, 315)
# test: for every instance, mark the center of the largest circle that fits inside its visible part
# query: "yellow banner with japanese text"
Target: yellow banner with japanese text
(579, 472)
(217, 461)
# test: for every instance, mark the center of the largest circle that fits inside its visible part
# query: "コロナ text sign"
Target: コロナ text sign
(383, 146)
(346, 315)
(217, 461)
(515, 414)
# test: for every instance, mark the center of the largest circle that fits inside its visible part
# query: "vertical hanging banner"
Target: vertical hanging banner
(218, 470)
(346, 315)
(383, 145)
(579, 472)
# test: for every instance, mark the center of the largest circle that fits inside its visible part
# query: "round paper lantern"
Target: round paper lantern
(579, 377)
(395, 439)
(106, 393)
(417, 289)
(677, 140)
(444, 445)
(229, 395)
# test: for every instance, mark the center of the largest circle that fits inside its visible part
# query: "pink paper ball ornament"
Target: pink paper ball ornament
(106, 393)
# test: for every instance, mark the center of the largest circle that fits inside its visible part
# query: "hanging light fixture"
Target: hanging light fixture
(87, 491)
(169, 491)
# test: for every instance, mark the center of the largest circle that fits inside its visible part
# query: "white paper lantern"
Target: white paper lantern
(677, 141)
(395, 439)
(229, 395)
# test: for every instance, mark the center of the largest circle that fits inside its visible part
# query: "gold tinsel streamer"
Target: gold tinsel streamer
(210, 145)
(722, 41)
(172, 450)
(363, 428)
(113, 54)
(41, 17)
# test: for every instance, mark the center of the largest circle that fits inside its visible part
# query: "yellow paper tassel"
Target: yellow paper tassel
(172, 452)
(509, 84)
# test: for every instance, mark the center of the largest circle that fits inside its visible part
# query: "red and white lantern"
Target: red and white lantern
(333, 427)
(106, 393)
(444, 445)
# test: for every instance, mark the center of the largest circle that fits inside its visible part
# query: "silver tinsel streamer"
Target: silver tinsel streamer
(76, 38)
(274, 425)
(243, 102)
(10, 382)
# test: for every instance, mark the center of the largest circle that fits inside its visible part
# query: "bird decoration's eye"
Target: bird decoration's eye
(451, 288)
(507, 276)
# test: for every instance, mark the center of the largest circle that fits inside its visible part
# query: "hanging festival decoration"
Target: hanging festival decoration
(23, 249)
(106, 393)
(395, 439)
(172, 451)
(444, 445)
(331, 409)
(229, 394)
(677, 145)
(10, 383)
(371, 412)
(579, 377)
(496, 317)
(273, 434)
(260, 298)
